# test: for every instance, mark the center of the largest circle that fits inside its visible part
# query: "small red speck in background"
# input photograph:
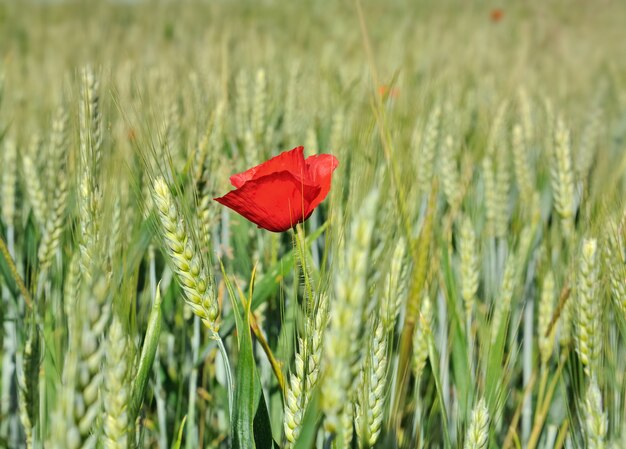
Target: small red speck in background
(496, 15)
(384, 90)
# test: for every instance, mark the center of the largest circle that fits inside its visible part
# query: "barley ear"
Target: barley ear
(588, 309)
(616, 265)
(491, 196)
(259, 107)
(190, 269)
(428, 149)
(294, 399)
(469, 266)
(395, 287)
(305, 378)
(36, 195)
(346, 312)
(503, 305)
(371, 391)
(546, 310)
(242, 103)
(563, 179)
(9, 162)
(116, 396)
(521, 165)
(596, 420)
(54, 226)
(337, 131)
(449, 172)
(421, 337)
(478, 430)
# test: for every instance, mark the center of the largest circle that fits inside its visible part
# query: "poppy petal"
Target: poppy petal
(319, 172)
(275, 202)
(291, 161)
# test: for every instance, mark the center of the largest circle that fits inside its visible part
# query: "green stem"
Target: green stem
(540, 417)
(542, 385)
(302, 252)
(229, 375)
(16, 276)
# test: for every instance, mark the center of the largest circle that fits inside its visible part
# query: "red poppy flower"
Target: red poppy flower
(496, 15)
(283, 191)
(385, 91)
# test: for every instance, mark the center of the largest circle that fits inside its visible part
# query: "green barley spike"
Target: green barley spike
(478, 431)
(588, 309)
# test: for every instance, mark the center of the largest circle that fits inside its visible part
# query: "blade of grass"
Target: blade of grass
(248, 389)
(310, 424)
(434, 363)
(460, 362)
(146, 359)
(420, 270)
(14, 275)
(179, 437)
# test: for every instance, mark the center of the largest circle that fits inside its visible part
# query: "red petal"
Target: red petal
(320, 169)
(275, 202)
(291, 161)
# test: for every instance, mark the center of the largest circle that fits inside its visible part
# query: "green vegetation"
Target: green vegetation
(463, 285)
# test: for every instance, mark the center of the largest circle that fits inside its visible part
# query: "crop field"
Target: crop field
(313, 224)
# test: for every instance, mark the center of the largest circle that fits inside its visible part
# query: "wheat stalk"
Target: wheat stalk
(191, 271)
(93, 319)
(395, 288)
(546, 310)
(303, 381)
(588, 309)
(521, 165)
(421, 338)
(469, 266)
(428, 149)
(342, 340)
(503, 305)
(29, 386)
(478, 430)
(115, 394)
(9, 178)
(259, 105)
(526, 113)
(36, 195)
(54, 226)
(449, 172)
(596, 420)
(563, 179)
(371, 388)
(496, 131)
(242, 103)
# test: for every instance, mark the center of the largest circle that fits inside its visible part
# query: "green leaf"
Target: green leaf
(495, 364)
(148, 352)
(31, 360)
(262, 426)
(246, 392)
(460, 361)
(179, 438)
(9, 281)
(310, 423)
(434, 363)
(248, 388)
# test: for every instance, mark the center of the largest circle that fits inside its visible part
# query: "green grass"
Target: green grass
(463, 285)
